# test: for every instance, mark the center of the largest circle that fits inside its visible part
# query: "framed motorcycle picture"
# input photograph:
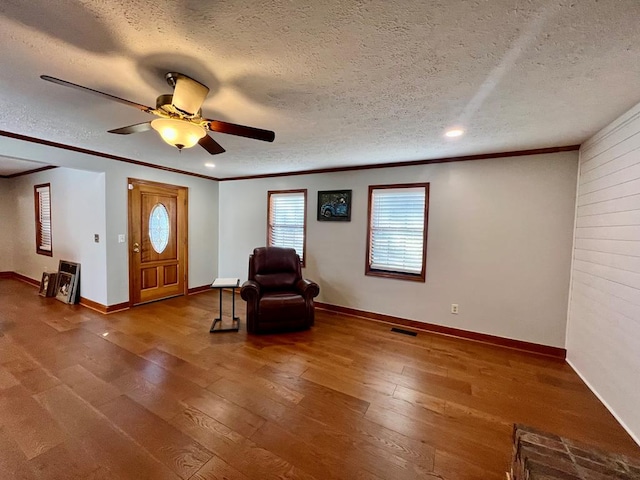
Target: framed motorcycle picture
(334, 206)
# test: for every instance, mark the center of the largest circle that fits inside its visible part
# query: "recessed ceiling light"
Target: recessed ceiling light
(454, 132)
(210, 165)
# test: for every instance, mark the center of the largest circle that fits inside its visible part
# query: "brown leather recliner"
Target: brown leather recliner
(277, 296)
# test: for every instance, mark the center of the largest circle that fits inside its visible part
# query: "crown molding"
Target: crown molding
(411, 163)
(108, 156)
(29, 172)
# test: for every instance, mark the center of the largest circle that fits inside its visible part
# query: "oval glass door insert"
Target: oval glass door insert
(159, 227)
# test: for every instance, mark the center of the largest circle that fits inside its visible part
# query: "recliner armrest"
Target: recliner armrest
(308, 288)
(250, 291)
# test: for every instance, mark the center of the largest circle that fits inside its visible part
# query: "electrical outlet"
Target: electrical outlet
(96, 238)
(454, 308)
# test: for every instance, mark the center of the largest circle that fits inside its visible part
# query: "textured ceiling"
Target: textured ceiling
(341, 83)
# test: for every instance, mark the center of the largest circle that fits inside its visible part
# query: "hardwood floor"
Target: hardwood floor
(149, 394)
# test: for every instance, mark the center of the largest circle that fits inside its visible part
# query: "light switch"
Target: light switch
(121, 238)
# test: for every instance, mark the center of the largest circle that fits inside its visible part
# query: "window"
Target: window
(397, 232)
(42, 200)
(287, 224)
(159, 226)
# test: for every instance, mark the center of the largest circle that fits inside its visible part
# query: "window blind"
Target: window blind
(397, 229)
(286, 221)
(44, 218)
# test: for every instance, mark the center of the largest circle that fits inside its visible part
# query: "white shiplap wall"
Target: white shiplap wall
(603, 330)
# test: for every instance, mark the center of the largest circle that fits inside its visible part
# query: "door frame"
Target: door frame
(182, 226)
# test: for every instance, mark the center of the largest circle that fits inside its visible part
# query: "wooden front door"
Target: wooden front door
(157, 241)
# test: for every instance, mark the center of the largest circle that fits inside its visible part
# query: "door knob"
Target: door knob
(136, 247)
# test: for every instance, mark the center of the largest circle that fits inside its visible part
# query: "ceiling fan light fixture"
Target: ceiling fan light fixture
(178, 133)
(181, 123)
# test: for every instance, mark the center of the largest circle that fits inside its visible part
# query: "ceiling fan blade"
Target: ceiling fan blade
(188, 94)
(137, 128)
(210, 145)
(241, 130)
(144, 108)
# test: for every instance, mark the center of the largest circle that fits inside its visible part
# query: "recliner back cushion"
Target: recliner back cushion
(276, 268)
(277, 281)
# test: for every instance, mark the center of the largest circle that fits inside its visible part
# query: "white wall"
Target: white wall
(499, 243)
(203, 214)
(7, 224)
(77, 213)
(603, 333)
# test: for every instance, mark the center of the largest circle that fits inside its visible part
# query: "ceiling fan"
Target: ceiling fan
(180, 121)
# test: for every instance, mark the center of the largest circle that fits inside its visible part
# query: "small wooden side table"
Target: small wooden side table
(231, 283)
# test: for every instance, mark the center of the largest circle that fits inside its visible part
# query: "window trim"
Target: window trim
(304, 231)
(38, 223)
(374, 272)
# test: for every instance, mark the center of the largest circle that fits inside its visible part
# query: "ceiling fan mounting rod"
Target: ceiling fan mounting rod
(172, 79)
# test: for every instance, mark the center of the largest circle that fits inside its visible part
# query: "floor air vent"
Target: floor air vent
(404, 332)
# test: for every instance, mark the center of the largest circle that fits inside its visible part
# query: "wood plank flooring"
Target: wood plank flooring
(149, 394)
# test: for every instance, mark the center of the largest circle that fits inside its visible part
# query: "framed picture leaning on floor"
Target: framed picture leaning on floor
(48, 285)
(72, 268)
(64, 287)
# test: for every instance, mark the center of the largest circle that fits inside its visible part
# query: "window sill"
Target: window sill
(411, 277)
